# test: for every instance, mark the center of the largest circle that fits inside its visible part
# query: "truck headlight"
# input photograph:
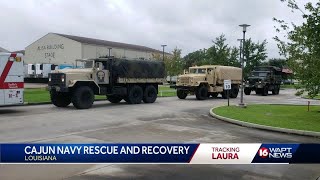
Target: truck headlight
(62, 78)
(49, 78)
(259, 82)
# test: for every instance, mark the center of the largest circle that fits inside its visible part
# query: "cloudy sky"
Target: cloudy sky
(187, 24)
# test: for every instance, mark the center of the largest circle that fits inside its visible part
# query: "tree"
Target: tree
(301, 45)
(254, 54)
(174, 64)
(194, 58)
(221, 53)
(278, 62)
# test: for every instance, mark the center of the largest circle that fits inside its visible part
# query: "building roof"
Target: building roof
(108, 43)
(287, 71)
(3, 50)
(20, 51)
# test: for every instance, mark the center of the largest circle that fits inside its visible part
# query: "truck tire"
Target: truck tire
(259, 91)
(182, 94)
(234, 92)
(224, 94)
(135, 95)
(214, 95)
(202, 93)
(83, 97)
(60, 99)
(150, 94)
(247, 91)
(114, 99)
(265, 90)
(276, 90)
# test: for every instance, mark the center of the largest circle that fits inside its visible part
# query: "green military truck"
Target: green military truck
(118, 79)
(264, 79)
(205, 81)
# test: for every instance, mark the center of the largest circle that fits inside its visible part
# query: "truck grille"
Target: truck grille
(56, 79)
(184, 80)
(253, 81)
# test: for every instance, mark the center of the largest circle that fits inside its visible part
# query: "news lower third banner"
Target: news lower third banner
(159, 153)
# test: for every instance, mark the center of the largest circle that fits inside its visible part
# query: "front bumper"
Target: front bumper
(58, 88)
(186, 88)
(255, 86)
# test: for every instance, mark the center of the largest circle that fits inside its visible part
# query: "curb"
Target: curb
(263, 127)
(44, 103)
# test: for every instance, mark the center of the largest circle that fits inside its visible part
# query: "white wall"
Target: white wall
(54, 49)
(93, 51)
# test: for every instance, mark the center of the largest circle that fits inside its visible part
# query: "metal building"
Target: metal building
(3, 50)
(57, 48)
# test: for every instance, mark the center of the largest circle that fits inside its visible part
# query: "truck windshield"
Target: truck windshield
(198, 71)
(260, 74)
(84, 64)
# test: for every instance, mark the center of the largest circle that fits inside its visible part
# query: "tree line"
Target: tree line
(221, 53)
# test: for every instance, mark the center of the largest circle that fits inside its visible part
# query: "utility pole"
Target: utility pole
(163, 51)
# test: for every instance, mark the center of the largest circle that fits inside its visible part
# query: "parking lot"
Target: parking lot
(167, 120)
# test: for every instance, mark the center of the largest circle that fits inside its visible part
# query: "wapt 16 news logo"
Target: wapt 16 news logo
(276, 153)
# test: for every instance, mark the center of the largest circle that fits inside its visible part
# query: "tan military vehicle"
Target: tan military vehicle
(205, 81)
(132, 80)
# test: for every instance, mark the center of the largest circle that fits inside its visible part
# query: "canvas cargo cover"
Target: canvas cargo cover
(123, 68)
(228, 72)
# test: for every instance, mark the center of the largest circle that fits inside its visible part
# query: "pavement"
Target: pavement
(167, 120)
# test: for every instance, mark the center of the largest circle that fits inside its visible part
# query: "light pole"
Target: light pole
(163, 51)
(244, 29)
(240, 50)
(109, 51)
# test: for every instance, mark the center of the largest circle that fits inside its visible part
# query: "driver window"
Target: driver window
(98, 65)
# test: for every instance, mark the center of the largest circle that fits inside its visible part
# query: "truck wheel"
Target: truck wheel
(181, 94)
(60, 99)
(259, 91)
(135, 95)
(234, 92)
(202, 93)
(150, 94)
(224, 94)
(276, 90)
(265, 90)
(247, 91)
(83, 97)
(214, 95)
(114, 99)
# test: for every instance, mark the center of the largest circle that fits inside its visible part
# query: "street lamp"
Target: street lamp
(163, 51)
(240, 50)
(244, 29)
(109, 51)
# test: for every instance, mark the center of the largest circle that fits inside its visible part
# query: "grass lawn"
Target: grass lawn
(42, 95)
(166, 91)
(284, 116)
